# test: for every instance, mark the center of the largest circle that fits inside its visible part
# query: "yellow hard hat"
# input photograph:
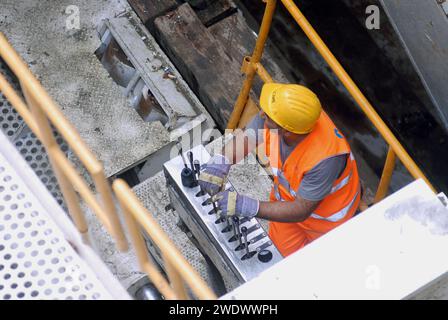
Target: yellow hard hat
(293, 107)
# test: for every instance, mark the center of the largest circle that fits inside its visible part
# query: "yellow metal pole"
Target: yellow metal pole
(254, 59)
(130, 201)
(103, 188)
(175, 278)
(144, 261)
(19, 105)
(50, 144)
(386, 176)
(82, 188)
(355, 92)
(37, 94)
(263, 73)
(159, 281)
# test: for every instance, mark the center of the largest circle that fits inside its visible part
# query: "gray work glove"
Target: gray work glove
(231, 203)
(213, 174)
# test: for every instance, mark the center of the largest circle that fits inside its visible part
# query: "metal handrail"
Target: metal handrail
(38, 112)
(178, 269)
(252, 66)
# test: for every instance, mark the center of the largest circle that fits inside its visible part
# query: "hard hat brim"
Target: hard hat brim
(266, 98)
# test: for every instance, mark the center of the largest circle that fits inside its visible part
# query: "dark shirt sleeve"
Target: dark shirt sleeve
(254, 129)
(317, 183)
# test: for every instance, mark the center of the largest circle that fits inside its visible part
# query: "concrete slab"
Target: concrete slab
(123, 265)
(64, 61)
(407, 260)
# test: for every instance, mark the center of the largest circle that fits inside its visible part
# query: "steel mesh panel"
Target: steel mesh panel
(36, 262)
(11, 123)
(34, 153)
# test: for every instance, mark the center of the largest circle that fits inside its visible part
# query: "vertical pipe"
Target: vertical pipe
(386, 176)
(176, 280)
(108, 206)
(142, 256)
(263, 73)
(18, 104)
(354, 91)
(49, 143)
(254, 59)
(171, 254)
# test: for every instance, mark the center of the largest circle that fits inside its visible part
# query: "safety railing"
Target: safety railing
(251, 66)
(179, 271)
(39, 113)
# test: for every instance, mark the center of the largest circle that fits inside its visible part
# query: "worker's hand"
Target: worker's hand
(214, 173)
(231, 203)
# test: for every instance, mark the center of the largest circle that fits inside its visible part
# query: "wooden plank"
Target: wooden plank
(216, 11)
(211, 74)
(149, 10)
(238, 41)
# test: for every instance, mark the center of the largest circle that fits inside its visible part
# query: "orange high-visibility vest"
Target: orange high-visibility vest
(325, 141)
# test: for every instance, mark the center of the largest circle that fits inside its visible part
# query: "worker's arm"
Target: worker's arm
(231, 203)
(287, 211)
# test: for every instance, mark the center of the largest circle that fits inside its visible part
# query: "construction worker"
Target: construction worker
(316, 183)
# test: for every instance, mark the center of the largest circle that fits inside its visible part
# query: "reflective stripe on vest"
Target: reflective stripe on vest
(344, 181)
(341, 184)
(285, 183)
(338, 215)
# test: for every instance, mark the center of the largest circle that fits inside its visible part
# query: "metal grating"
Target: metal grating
(34, 153)
(154, 196)
(36, 262)
(11, 123)
(13, 126)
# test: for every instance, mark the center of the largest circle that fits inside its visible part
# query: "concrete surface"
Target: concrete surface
(65, 63)
(123, 265)
(407, 261)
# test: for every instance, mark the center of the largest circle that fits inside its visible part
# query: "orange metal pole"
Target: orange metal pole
(355, 91)
(254, 59)
(263, 73)
(386, 176)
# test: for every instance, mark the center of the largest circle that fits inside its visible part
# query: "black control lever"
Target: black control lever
(193, 171)
(234, 238)
(249, 254)
(240, 245)
(236, 229)
(228, 228)
(187, 175)
(259, 237)
(182, 155)
(190, 158)
(245, 244)
(197, 169)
